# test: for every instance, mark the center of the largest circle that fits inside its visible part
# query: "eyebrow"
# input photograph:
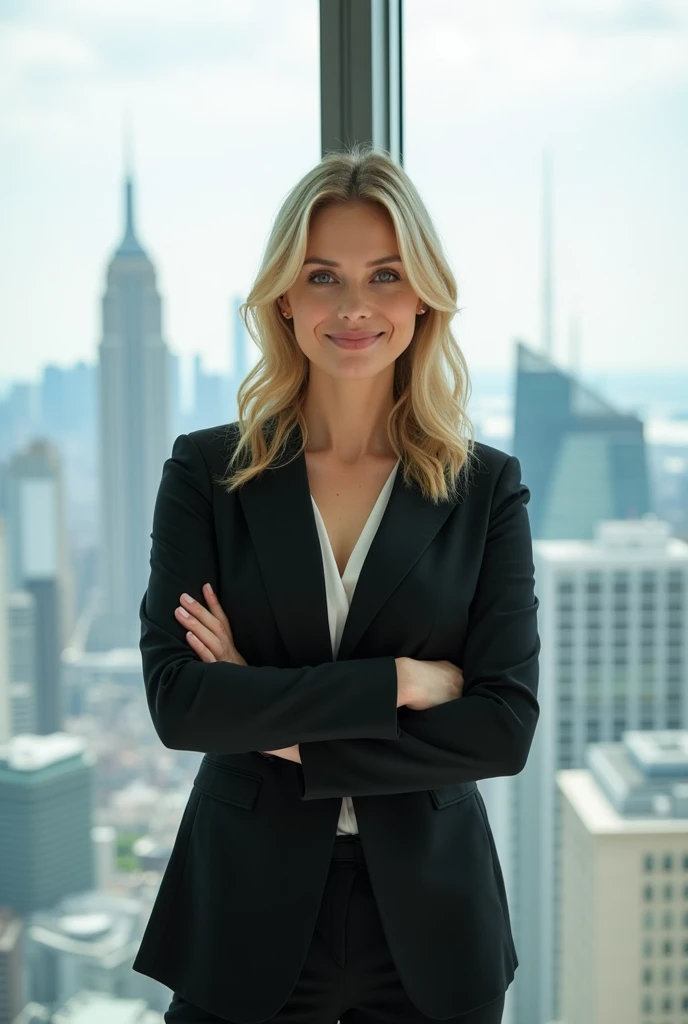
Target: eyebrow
(372, 263)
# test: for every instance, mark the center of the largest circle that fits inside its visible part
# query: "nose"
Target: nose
(353, 306)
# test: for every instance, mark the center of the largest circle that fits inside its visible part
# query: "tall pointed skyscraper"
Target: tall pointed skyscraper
(134, 385)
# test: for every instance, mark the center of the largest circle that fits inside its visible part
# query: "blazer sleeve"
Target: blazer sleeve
(227, 708)
(488, 730)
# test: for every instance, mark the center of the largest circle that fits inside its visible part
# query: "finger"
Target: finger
(205, 617)
(216, 608)
(205, 635)
(201, 650)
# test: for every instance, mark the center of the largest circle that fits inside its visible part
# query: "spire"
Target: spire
(129, 245)
(547, 237)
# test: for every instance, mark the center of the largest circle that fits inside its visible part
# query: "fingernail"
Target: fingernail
(186, 597)
(208, 588)
(183, 611)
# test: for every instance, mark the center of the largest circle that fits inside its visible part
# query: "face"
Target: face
(338, 292)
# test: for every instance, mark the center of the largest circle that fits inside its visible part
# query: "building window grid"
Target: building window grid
(661, 864)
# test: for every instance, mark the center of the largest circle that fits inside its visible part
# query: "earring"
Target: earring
(421, 310)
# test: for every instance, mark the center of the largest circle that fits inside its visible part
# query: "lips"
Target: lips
(354, 335)
(354, 341)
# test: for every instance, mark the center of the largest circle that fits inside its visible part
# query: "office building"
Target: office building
(584, 461)
(613, 625)
(86, 941)
(22, 644)
(38, 561)
(12, 986)
(134, 377)
(46, 808)
(5, 700)
(625, 882)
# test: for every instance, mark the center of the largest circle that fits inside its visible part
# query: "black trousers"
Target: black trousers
(349, 976)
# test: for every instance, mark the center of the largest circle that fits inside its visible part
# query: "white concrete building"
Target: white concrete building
(624, 907)
(613, 623)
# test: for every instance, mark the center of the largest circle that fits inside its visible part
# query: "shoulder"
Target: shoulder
(487, 464)
(214, 445)
(495, 474)
(488, 459)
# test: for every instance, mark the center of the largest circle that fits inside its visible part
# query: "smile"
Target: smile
(365, 341)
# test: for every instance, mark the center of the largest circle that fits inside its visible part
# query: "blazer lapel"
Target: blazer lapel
(279, 514)
(408, 525)
(280, 519)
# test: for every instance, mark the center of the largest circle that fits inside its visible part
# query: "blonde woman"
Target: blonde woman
(341, 617)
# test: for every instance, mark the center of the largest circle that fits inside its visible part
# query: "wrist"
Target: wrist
(404, 681)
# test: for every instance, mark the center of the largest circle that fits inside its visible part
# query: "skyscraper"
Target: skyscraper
(39, 564)
(584, 461)
(46, 811)
(243, 354)
(134, 385)
(5, 702)
(23, 643)
(625, 881)
(614, 656)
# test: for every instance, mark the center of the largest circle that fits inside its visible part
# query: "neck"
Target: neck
(347, 419)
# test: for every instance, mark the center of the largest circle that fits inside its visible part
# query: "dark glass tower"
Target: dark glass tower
(583, 460)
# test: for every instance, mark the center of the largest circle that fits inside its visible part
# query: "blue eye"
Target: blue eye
(318, 273)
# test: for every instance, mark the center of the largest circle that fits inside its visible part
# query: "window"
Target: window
(668, 862)
(648, 862)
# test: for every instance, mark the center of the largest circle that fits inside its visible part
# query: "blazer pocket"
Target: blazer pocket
(452, 794)
(231, 785)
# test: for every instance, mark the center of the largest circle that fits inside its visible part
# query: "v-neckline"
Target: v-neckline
(362, 535)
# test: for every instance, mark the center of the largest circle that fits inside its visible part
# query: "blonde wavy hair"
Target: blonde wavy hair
(428, 426)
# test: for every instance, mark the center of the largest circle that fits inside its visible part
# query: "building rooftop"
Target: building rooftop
(647, 537)
(28, 752)
(637, 785)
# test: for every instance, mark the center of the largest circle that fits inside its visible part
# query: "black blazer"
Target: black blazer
(238, 902)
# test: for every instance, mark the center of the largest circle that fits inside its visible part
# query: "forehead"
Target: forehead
(351, 232)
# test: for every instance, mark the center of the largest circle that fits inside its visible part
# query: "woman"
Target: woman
(341, 616)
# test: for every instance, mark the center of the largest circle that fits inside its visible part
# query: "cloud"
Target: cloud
(24, 48)
(500, 58)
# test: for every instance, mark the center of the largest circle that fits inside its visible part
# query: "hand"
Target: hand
(210, 636)
(209, 633)
(425, 684)
(287, 753)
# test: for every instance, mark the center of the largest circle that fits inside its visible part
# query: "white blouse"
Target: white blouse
(340, 590)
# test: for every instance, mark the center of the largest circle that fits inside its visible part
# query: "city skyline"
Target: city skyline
(606, 103)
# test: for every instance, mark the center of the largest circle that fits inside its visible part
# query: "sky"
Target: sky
(223, 102)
